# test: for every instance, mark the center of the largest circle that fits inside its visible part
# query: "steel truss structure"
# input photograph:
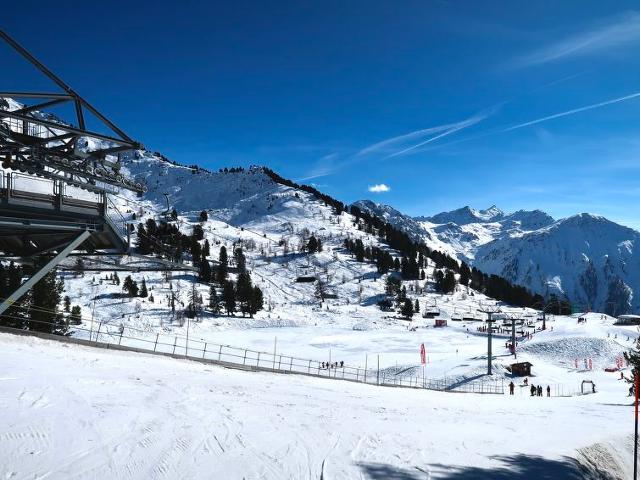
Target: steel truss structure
(50, 147)
(56, 176)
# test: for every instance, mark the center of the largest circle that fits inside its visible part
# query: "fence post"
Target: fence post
(98, 332)
(244, 361)
(258, 360)
(120, 340)
(174, 344)
(156, 344)
(291, 364)
(220, 353)
(366, 358)
(279, 361)
(309, 369)
(205, 350)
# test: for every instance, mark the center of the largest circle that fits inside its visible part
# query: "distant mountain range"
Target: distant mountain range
(585, 258)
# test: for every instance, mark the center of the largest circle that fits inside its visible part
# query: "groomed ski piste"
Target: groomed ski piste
(73, 411)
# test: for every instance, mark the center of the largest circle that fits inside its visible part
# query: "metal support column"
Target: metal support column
(28, 285)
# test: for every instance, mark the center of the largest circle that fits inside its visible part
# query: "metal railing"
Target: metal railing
(116, 220)
(108, 335)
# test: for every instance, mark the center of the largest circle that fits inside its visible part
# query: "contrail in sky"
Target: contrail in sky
(571, 112)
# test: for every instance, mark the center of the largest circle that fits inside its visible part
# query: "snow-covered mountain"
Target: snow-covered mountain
(585, 258)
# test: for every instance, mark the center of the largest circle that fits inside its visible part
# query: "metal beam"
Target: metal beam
(40, 106)
(65, 128)
(34, 61)
(29, 284)
(34, 95)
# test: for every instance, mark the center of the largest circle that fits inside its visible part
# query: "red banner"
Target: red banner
(423, 354)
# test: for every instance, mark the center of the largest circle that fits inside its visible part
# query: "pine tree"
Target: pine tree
(241, 261)
(204, 273)
(312, 245)
(244, 292)
(76, 315)
(67, 304)
(174, 215)
(320, 291)
(407, 308)
(43, 300)
(222, 270)
(204, 216)
(229, 297)
(416, 306)
(214, 300)
(143, 289)
(130, 286)
(256, 301)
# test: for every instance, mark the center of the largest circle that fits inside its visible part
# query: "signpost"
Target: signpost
(635, 436)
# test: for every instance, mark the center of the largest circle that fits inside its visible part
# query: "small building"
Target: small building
(520, 369)
(440, 322)
(628, 320)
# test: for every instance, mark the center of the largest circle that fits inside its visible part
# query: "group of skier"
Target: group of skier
(329, 365)
(536, 391)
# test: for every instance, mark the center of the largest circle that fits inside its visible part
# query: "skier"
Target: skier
(539, 390)
(511, 387)
(533, 390)
(548, 391)
(323, 365)
(341, 363)
(526, 381)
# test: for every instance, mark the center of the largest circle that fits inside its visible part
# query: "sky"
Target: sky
(426, 105)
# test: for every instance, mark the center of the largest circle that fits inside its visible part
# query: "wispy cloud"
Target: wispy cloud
(572, 112)
(379, 188)
(615, 32)
(401, 144)
(321, 168)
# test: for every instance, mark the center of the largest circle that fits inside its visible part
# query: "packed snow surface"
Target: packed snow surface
(72, 412)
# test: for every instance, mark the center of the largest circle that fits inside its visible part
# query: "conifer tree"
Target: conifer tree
(229, 297)
(76, 315)
(44, 299)
(214, 300)
(257, 301)
(222, 270)
(407, 308)
(244, 292)
(143, 289)
(130, 286)
(241, 261)
(312, 245)
(204, 216)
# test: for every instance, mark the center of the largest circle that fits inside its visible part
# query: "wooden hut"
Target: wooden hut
(520, 369)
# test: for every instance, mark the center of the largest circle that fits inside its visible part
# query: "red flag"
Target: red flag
(423, 354)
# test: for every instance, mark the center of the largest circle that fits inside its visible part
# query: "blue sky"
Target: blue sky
(437, 104)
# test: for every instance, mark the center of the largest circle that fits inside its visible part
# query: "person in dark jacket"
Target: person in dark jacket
(511, 387)
(548, 391)
(533, 390)
(539, 390)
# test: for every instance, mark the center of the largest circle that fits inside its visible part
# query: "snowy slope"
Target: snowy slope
(586, 258)
(123, 416)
